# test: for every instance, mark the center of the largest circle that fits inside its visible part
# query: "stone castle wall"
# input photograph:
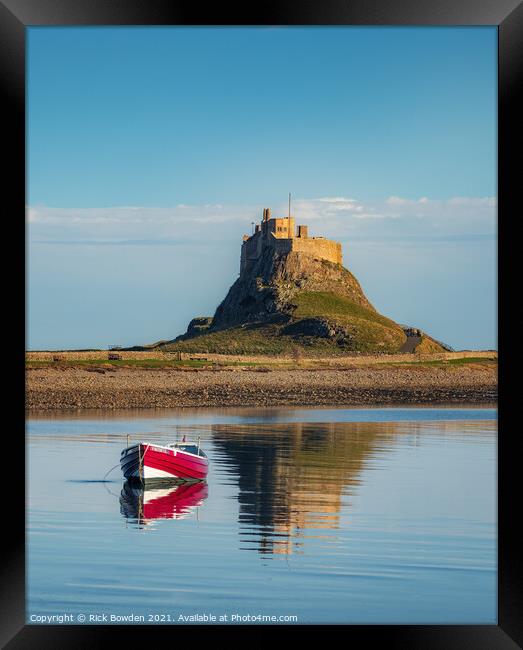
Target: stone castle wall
(251, 250)
(324, 249)
(318, 247)
(269, 236)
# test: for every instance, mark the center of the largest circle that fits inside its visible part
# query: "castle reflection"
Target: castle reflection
(293, 478)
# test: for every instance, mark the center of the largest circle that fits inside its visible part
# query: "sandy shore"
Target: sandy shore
(51, 388)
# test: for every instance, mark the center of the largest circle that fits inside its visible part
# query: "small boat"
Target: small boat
(176, 501)
(147, 462)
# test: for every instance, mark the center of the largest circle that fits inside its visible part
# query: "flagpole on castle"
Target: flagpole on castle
(289, 217)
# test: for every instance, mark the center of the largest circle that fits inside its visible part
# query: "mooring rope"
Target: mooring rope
(140, 459)
(107, 473)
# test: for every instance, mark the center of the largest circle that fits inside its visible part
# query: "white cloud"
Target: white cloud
(337, 216)
(397, 200)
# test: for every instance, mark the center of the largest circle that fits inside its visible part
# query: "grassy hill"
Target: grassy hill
(319, 323)
(368, 330)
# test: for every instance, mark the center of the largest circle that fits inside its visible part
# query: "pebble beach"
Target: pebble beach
(66, 388)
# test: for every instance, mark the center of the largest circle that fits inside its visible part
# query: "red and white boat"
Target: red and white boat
(149, 462)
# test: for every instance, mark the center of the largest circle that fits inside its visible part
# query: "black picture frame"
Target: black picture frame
(507, 15)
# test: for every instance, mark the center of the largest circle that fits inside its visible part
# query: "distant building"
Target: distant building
(280, 235)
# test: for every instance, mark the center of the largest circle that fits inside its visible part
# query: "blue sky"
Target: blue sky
(151, 150)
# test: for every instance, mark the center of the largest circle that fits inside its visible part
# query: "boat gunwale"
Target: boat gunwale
(203, 456)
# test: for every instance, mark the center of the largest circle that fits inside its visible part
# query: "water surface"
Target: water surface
(327, 515)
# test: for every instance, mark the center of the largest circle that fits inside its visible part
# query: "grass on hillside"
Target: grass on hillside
(318, 303)
(428, 346)
(249, 339)
(369, 331)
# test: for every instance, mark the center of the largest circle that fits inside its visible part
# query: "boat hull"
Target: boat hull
(146, 463)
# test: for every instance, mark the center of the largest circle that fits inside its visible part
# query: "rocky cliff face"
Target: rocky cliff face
(266, 292)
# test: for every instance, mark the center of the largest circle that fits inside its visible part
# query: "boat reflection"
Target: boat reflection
(176, 501)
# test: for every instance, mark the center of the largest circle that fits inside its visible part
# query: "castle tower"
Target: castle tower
(280, 235)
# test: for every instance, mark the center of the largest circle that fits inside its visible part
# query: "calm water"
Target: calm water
(332, 516)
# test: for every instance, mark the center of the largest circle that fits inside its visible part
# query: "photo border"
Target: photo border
(507, 15)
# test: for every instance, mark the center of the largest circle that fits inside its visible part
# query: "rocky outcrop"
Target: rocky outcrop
(321, 328)
(199, 325)
(265, 293)
(288, 300)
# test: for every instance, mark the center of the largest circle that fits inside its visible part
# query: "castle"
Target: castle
(280, 235)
